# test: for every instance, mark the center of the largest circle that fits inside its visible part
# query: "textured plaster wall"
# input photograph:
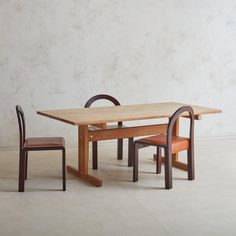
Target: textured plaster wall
(57, 53)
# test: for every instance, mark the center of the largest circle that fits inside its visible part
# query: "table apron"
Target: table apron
(126, 132)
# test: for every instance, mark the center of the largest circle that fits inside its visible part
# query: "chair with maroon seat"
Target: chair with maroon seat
(119, 141)
(36, 144)
(171, 144)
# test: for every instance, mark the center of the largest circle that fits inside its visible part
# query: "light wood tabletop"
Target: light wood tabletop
(96, 115)
(83, 117)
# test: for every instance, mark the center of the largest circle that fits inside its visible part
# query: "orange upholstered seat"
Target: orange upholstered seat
(178, 143)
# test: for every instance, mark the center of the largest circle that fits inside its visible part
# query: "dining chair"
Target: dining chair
(171, 144)
(36, 144)
(119, 125)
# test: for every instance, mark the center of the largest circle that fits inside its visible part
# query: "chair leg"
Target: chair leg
(158, 161)
(135, 162)
(168, 169)
(95, 155)
(119, 149)
(130, 152)
(191, 172)
(64, 169)
(26, 164)
(21, 185)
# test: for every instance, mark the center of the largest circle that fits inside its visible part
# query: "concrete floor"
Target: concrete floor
(206, 206)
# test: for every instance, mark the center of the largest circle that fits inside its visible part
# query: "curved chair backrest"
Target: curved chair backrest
(102, 97)
(173, 119)
(21, 123)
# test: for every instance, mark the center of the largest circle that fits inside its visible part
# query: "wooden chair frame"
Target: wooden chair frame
(23, 152)
(168, 149)
(119, 141)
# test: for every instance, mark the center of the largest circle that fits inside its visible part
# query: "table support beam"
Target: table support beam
(87, 178)
(126, 132)
(82, 171)
(85, 136)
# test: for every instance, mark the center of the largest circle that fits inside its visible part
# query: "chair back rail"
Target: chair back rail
(103, 97)
(22, 126)
(174, 118)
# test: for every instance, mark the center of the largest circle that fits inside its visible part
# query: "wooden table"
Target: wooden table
(83, 117)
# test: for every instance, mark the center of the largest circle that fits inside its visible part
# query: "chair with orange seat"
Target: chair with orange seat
(171, 144)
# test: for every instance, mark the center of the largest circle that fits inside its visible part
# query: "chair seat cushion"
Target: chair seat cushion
(178, 143)
(44, 143)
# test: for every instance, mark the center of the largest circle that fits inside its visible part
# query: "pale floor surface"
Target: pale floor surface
(206, 206)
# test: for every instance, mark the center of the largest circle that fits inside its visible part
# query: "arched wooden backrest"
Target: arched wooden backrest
(102, 97)
(21, 123)
(173, 119)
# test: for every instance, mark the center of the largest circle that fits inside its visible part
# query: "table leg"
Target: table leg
(82, 171)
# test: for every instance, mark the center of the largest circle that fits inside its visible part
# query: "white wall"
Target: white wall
(56, 54)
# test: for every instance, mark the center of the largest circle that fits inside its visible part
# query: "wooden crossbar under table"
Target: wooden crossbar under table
(83, 117)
